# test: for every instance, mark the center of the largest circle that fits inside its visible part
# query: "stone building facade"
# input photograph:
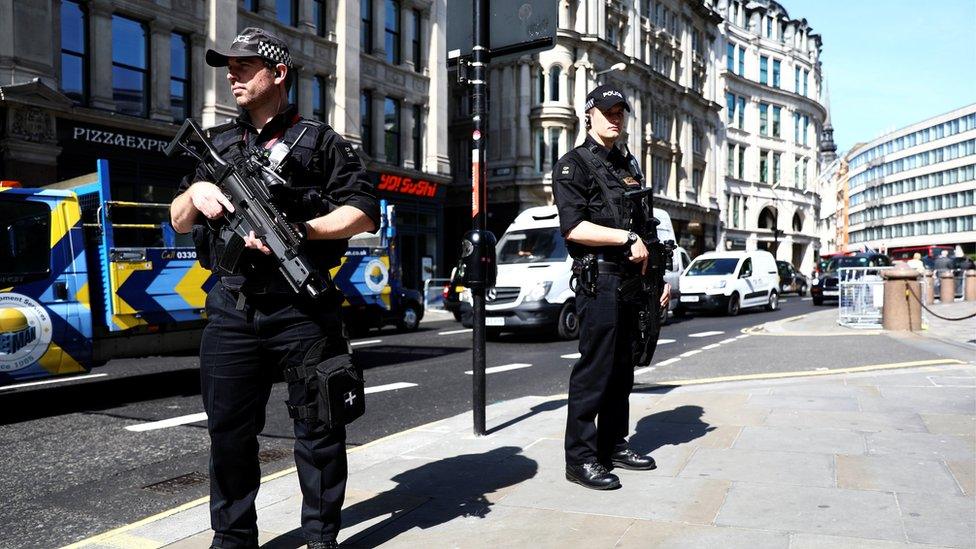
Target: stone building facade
(777, 132)
(87, 79)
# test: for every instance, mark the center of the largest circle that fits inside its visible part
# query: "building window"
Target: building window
(736, 206)
(763, 119)
(763, 67)
(730, 107)
(730, 57)
(418, 137)
(742, 112)
(776, 67)
(391, 130)
(366, 26)
(806, 128)
(541, 83)
(554, 73)
(796, 171)
(796, 128)
(742, 61)
(540, 146)
(130, 70)
(417, 30)
(251, 5)
(806, 79)
(287, 11)
(776, 167)
(74, 51)
(730, 168)
(393, 32)
(319, 99)
(769, 27)
(796, 80)
(293, 87)
(763, 166)
(553, 146)
(776, 116)
(179, 81)
(742, 162)
(804, 178)
(319, 16)
(366, 119)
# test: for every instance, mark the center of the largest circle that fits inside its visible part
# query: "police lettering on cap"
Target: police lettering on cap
(252, 42)
(605, 96)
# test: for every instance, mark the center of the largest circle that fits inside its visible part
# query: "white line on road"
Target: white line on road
(743, 336)
(729, 340)
(712, 346)
(806, 298)
(367, 342)
(643, 370)
(668, 361)
(452, 332)
(171, 422)
(389, 387)
(664, 341)
(571, 355)
(705, 334)
(505, 368)
(689, 353)
(49, 381)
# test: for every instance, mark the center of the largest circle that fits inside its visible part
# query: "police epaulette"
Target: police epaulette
(220, 128)
(312, 122)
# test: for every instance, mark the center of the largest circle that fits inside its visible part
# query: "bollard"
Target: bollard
(947, 287)
(970, 285)
(930, 287)
(901, 311)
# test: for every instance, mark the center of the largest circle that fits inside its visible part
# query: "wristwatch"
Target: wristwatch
(632, 238)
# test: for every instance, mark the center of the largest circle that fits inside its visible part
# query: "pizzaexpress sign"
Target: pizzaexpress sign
(100, 135)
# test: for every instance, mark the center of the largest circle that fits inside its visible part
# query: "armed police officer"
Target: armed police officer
(589, 186)
(258, 325)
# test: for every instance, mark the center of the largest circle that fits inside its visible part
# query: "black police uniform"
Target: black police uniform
(258, 326)
(603, 377)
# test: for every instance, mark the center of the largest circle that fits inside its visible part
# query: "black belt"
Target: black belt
(613, 267)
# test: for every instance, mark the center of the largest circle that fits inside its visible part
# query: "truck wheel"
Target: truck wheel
(733, 308)
(773, 303)
(567, 327)
(410, 319)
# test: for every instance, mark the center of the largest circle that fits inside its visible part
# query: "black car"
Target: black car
(791, 280)
(826, 285)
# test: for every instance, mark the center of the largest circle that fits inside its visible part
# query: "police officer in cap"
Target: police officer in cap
(258, 326)
(588, 185)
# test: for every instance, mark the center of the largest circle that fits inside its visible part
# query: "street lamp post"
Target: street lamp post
(615, 67)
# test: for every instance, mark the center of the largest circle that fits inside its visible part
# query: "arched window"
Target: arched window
(554, 73)
(767, 218)
(797, 222)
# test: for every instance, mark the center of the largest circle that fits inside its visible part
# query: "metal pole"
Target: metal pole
(479, 201)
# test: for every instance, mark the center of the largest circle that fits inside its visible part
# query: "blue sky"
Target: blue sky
(891, 63)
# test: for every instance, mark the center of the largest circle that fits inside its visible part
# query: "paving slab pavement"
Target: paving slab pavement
(751, 464)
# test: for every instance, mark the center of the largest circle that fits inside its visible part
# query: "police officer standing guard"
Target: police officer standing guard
(589, 185)
(257, 323)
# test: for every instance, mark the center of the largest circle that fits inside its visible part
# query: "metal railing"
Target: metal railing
(433, 293)
(860, 296)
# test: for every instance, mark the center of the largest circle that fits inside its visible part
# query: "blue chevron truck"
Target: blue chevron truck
(85, 279)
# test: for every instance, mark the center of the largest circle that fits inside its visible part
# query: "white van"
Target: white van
(730, 281)
(532, 289)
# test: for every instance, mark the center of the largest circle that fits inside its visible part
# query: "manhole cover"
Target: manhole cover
(177, 484)
(273, 454)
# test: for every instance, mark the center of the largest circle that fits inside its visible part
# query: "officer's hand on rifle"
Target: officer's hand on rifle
(666, 296)
(209, 200)
(256, 243)
(638, 254)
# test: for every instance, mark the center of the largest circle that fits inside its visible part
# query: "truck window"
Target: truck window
(25, 240)
(544, 245)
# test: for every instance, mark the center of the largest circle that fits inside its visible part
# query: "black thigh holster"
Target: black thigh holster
(334, 385)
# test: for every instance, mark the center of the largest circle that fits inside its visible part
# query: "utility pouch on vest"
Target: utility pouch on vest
(342, 393)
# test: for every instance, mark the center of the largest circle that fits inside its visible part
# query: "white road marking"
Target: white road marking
(367, 342)
(668, 361)
(171, 422)
(705, 334)
(664, 341)
(743, 336)
(689, 353)
(643, 370)
(505, 368)
(452, 332)
(729, 340)
(389, 387)
(806, 299)
(712, 346)
(49, 381)
(571, 355)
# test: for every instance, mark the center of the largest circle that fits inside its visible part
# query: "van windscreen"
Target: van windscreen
(543, 245)
(717, 266)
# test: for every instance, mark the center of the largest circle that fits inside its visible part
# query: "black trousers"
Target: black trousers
(240, 354)
(600, 384)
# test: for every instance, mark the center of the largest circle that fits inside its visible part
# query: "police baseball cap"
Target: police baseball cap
(605, 96)
(252, 42)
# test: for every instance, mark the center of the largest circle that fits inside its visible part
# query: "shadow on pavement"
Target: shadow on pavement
(537, 409)
(672, 427)
(386, 355)
(433, 494)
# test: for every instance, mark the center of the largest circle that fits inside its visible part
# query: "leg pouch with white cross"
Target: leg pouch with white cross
(334, 391)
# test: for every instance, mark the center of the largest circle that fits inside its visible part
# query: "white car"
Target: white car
(729, 282)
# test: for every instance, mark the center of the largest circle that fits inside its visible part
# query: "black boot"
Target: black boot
(592, 475)
(629, 459)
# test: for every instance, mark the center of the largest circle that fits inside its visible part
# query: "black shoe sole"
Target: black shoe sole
(575, 480)
(632, 468)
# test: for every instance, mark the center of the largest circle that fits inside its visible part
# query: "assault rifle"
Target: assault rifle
(246, 183)
(644, 291)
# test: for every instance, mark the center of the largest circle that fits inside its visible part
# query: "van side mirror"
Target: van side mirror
(745, 274)
(478, 265)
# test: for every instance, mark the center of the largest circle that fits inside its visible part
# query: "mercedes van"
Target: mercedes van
(730, 281)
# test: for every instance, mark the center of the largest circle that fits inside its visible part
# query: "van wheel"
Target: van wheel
(773, 303)
(733, 308)
(567, 327)
(410, 319)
